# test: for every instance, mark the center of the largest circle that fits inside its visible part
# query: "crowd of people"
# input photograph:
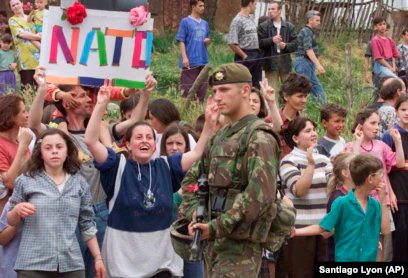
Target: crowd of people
(80, 197)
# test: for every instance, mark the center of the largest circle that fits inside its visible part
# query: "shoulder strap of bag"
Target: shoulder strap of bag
(258, 124)
(118, 179)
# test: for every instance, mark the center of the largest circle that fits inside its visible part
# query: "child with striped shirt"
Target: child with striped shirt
(305, 174)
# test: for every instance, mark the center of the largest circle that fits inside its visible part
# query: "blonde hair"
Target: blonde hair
(341, 162)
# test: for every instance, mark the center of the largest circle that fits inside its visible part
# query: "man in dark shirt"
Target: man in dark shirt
(277, 39)
(307, 55)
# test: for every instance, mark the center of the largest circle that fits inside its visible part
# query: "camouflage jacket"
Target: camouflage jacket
(250, 201)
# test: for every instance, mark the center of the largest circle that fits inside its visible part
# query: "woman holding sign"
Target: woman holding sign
(26, 41)
(140, 193)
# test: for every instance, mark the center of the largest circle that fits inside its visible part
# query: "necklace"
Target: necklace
(149, 198)
(372, 146)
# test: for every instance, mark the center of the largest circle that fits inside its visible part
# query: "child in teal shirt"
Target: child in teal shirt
(357, 219)
(8, 63)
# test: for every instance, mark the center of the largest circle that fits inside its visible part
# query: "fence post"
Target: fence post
(349, 75)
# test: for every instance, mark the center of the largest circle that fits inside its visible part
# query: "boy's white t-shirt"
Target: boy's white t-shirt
(278, 26)
(338, 147)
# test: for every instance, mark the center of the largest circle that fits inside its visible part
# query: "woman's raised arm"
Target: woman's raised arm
(37, 107)
(140, 111)
(211, 115)
(98, 150)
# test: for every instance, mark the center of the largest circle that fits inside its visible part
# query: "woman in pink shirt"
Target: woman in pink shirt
(365, 130)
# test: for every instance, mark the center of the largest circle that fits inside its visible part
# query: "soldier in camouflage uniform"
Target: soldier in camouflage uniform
(239, 213)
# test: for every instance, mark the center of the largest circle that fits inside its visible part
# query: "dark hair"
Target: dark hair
(9, 109)
(378, 20)
(263, 111)
(199, 124)
(66, 88)
(172, 129)
(362, 116)
(362, 166)
(328, 110)
(195, 2)
(35, 164)
(294, 128)
(295, 83)
(6, 38)
(277, 3)
(404, 31)
(129, 131)
(245, 3)
(128, 104)
(3, 13)
(390, 88)
(61, 108)
(403, 98)
(164, 110)
(7, 30)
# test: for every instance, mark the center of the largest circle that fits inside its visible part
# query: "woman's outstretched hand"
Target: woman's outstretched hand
(104, 93)
(211, 113)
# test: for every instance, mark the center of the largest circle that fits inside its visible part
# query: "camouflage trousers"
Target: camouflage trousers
(227, 258)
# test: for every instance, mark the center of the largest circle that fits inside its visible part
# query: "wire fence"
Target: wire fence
(342, 17)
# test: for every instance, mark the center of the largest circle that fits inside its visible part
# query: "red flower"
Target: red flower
(76, 13)
(192, 188)
(28, 7)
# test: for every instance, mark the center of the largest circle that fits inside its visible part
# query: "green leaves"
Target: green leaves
(64, 15)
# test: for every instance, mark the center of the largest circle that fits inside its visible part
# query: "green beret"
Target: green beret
(230, 73)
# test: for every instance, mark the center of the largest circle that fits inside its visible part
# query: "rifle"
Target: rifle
(202, 193)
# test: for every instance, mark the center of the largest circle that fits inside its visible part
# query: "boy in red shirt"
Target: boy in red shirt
(383, 49)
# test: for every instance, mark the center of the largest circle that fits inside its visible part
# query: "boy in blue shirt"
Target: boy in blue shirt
(193, 38)
(357, 219)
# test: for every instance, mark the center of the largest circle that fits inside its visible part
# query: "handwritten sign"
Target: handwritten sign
(109, 5)
(104, 46)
